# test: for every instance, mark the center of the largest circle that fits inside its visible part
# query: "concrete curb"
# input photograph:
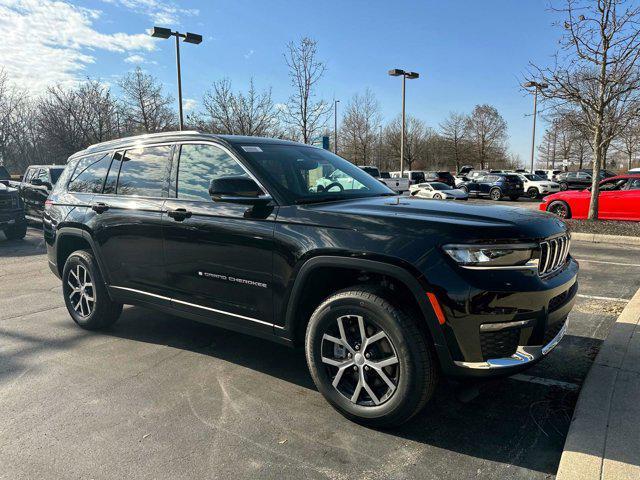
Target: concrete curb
(600, 238)
(604, 437)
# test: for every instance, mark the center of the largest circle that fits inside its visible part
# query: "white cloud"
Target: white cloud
(166, 13)
(249, 54)
(189, 104)
(134, 59)
(48, 42)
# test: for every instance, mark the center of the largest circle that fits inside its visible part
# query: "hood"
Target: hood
(453, 219)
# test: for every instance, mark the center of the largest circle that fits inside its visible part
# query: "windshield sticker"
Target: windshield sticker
(252, 149)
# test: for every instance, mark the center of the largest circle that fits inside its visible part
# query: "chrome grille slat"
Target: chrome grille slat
(553, 254)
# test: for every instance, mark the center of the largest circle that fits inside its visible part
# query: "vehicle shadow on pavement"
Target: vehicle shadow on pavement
(511, 422)
(31, 245)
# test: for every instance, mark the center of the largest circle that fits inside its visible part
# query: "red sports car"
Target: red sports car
(619, 200)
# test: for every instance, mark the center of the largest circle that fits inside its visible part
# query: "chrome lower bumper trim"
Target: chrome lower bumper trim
(524, 354)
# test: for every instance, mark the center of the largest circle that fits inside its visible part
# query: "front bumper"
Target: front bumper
(11, 217)
(503, 323)
(524, 355)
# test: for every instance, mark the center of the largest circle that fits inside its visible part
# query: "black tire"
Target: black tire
(437, 196)
(495, 194)
(16, 232)
(414, 374)
(560, 208)
(99, 313)
(564, 186)
(464, 189)
(533, 193)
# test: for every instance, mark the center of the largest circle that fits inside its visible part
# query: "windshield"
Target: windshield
(534, 178)
(440, 186)
(304, 174)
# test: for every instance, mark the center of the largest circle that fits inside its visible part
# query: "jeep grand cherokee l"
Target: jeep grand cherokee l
(386, 293)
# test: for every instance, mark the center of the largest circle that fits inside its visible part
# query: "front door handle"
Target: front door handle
(99, 207)
(179, 214)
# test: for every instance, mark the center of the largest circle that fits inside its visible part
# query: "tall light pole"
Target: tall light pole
(335, 126)
(396, 72)
(536, 86)
(194, 38)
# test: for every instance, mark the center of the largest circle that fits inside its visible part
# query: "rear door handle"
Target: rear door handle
(179, 214)
(99, 207)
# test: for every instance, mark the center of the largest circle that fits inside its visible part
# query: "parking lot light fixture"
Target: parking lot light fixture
(397, 72)
(194, 38)
(536, 86)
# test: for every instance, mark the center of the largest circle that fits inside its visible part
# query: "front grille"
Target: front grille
(553, 254)
(500, 344)
(552, 330)
(8, 202)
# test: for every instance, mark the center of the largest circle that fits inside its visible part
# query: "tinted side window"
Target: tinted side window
(64, 177)
(144, 171)
(55, 174)
(199, 164)
(571, 176)
(89, 174)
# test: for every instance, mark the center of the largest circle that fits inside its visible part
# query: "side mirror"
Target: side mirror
(237, 189)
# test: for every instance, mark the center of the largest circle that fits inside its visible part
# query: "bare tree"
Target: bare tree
(358, 134)
(629, 142)
(487, 131)
(304, 115)
(415, 149)
(453, 130)
(236, 113)
(147, 107)
(597, 72)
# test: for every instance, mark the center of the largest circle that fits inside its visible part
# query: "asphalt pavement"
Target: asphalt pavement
(157, 396)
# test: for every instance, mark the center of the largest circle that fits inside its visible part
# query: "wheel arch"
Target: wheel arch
(70, 239)
(297, 312)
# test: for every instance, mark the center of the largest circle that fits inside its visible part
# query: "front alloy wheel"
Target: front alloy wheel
(369, 359)
(361, 361)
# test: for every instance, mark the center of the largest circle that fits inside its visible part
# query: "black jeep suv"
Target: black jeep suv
(293, 243)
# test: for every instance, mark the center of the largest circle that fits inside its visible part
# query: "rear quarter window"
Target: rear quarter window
(89, 174)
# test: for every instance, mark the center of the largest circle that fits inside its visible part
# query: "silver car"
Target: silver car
(437, 191)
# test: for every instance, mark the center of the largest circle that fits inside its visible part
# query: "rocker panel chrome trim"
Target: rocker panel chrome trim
(215, 310)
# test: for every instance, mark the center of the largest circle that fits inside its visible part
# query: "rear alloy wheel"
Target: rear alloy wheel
(437, 196)
(495, 194)
(368, 359)
(85, 293)
(560, 209)
(533, 192)
(564, 186)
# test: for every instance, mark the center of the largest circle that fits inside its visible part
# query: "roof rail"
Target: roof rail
(143, 137)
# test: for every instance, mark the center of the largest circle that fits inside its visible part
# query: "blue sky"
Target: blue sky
(467, 52)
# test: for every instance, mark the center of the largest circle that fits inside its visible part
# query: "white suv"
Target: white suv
(535, 186)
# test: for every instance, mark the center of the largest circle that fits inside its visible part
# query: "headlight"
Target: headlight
(492, 256)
